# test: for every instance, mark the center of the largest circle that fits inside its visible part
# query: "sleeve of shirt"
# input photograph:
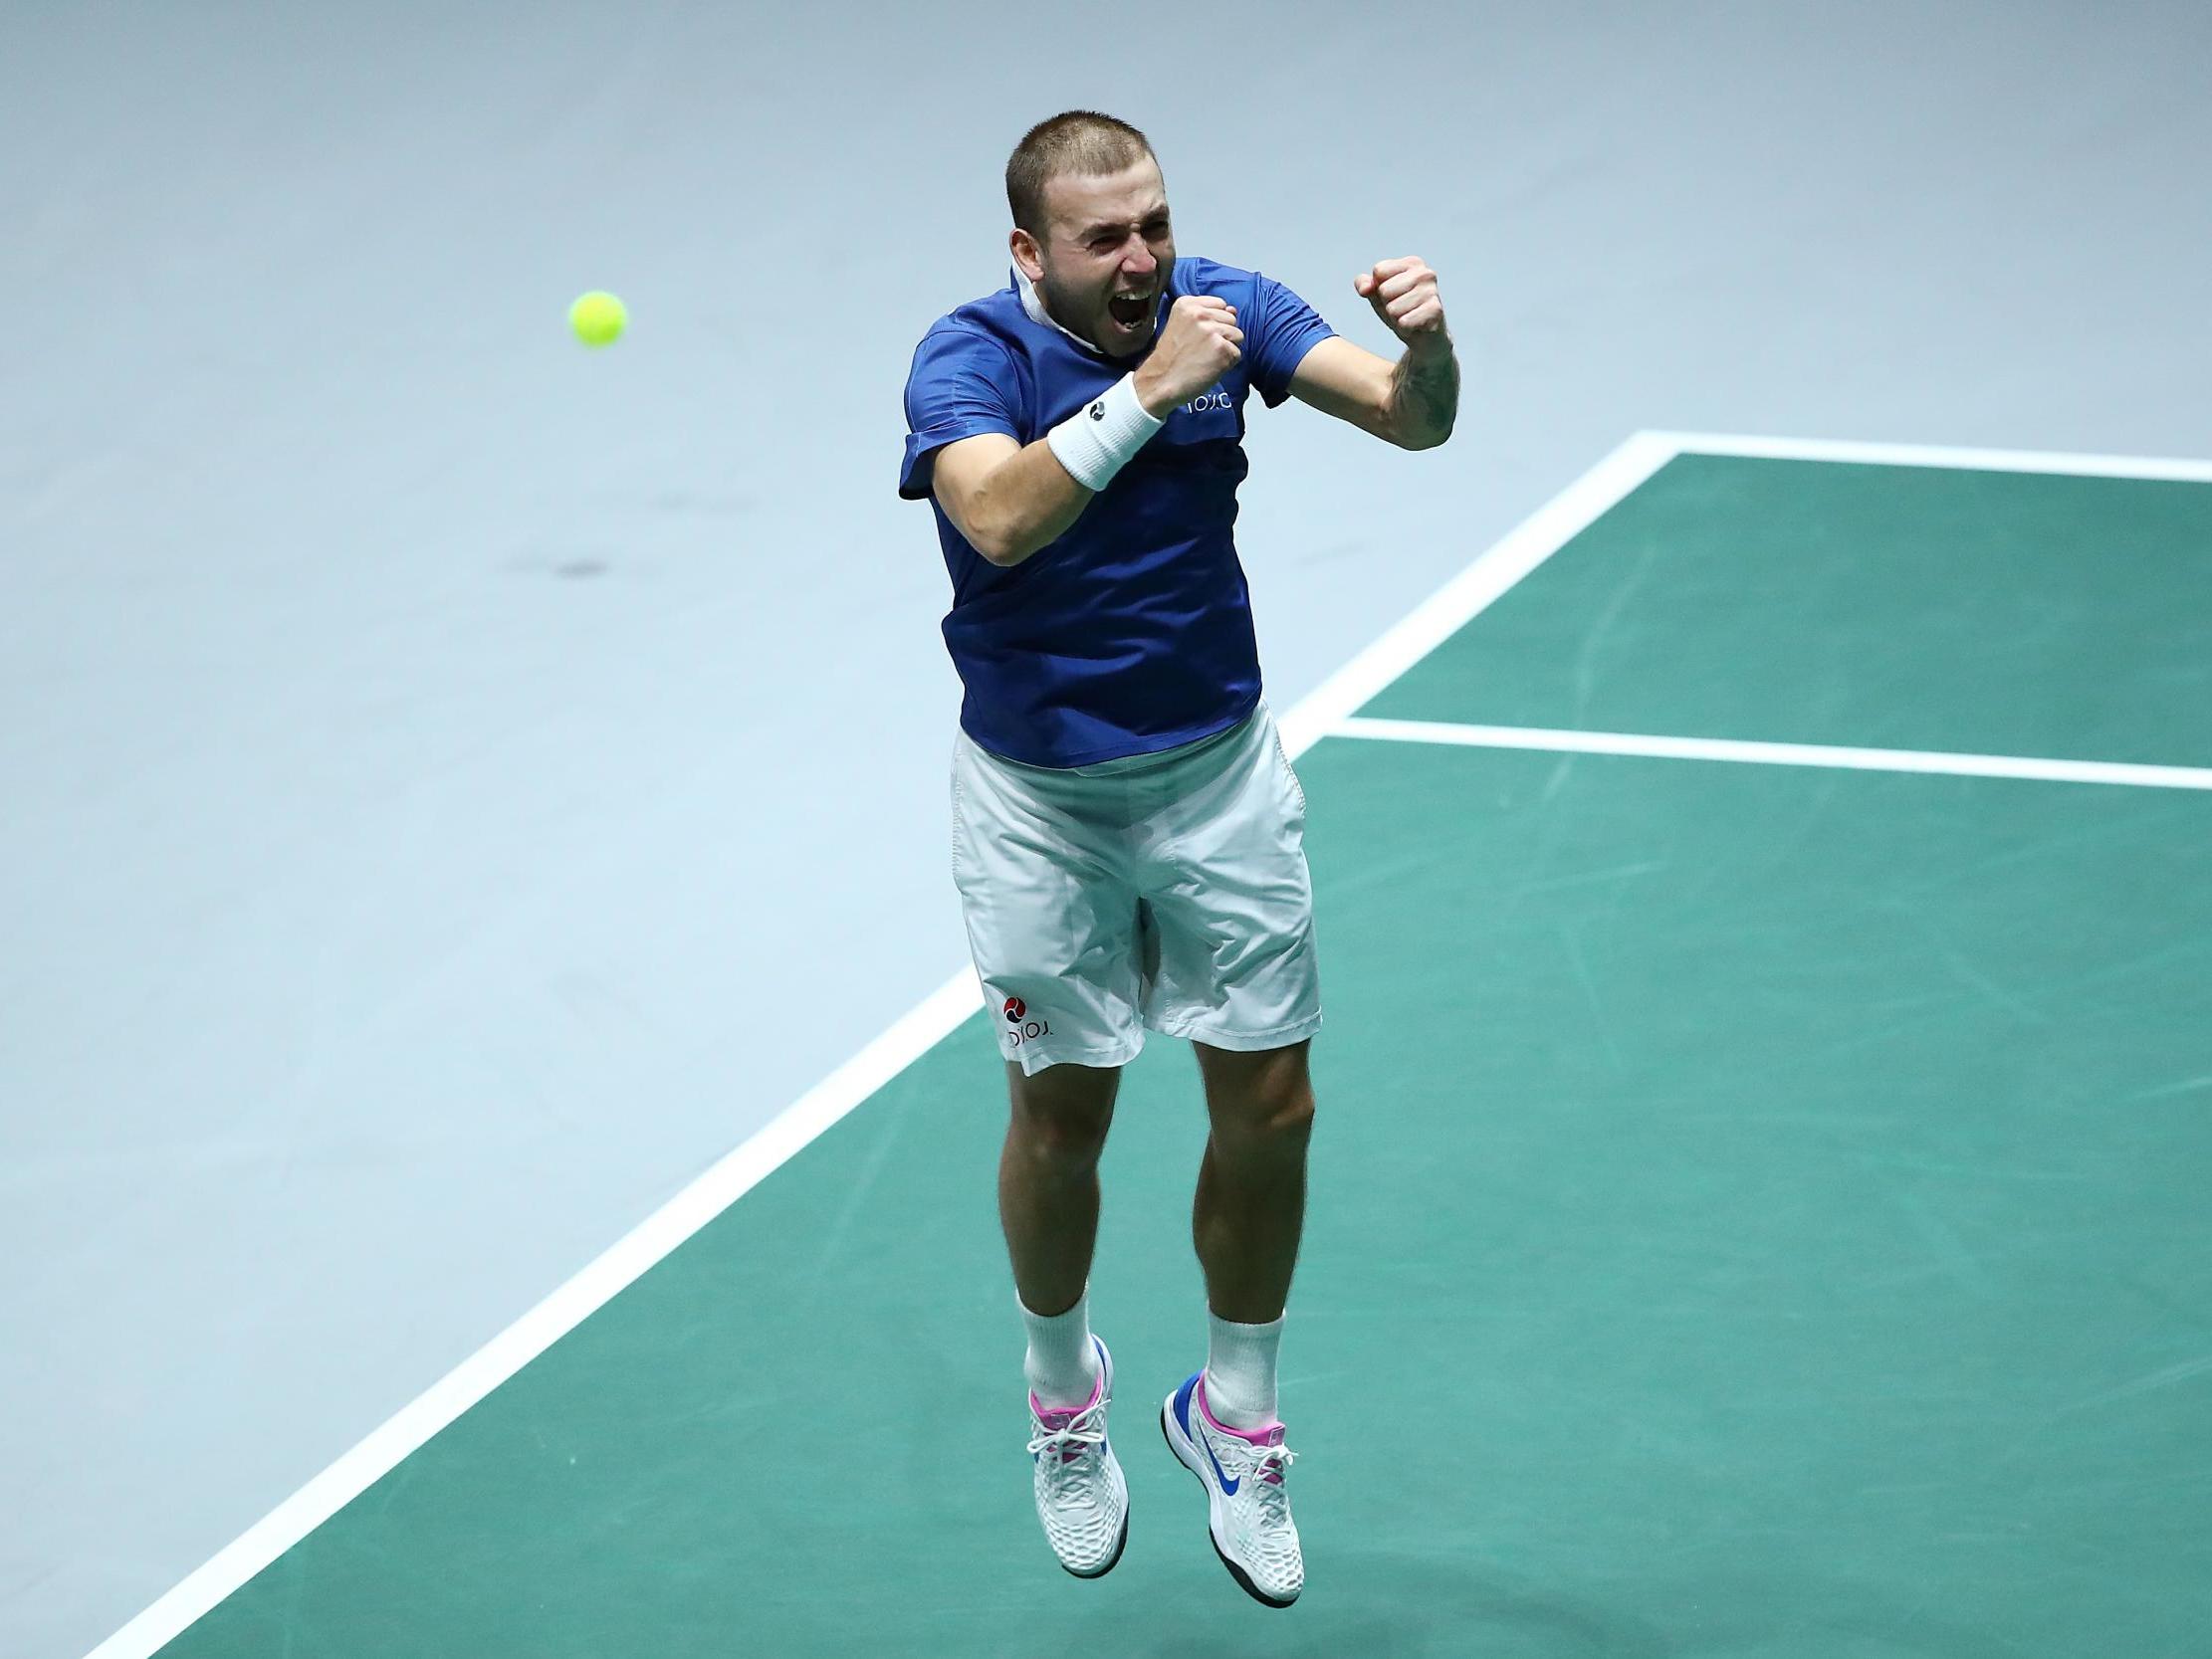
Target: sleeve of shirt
(1282, 329)
(962, 383)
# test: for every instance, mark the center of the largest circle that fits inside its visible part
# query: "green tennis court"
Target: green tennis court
(1759, 1197)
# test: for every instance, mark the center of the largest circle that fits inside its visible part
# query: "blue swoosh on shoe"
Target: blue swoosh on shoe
(1229, 1487)
(1182, 1419)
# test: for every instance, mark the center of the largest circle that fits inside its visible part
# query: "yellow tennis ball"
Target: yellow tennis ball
(598, 318)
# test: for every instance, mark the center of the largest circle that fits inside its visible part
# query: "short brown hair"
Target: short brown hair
(1077, 142)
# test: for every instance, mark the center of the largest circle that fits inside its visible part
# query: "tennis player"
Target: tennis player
(1127, 830)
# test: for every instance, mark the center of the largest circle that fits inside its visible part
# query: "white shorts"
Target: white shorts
(1166, 890)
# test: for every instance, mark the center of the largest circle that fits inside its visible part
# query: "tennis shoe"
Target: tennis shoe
(1082, 1496)
(1248, 1505)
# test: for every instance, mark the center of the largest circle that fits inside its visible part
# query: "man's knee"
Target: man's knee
(1263, 1099)
(1063, 1113)
(1282, 1118)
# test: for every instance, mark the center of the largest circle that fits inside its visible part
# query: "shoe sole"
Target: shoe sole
(1243, 1579)
(1120, 1544)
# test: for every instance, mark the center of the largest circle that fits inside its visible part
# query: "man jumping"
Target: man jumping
(1128, 835)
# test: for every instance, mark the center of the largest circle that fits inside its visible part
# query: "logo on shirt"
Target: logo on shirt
(1215, 399)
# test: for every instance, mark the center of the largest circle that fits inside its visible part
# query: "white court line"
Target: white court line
(1931, 454)
(1777, 754)
(929, 1023)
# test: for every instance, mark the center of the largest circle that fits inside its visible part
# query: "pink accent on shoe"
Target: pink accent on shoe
(1269, 1435)
(1062, 1415)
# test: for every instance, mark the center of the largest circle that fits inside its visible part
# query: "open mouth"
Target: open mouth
(1129, 311)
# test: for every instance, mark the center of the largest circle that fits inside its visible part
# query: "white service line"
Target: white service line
(1776, 754)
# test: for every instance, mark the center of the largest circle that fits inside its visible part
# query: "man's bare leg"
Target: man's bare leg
(1246, 1219)
(1249, 1211)
(1048, 1206)
(1048, 1210)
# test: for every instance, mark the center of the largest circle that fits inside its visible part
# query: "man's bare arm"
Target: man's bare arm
(1008, 498)
(1410, 403)
(1413, 402)
(1424, 397)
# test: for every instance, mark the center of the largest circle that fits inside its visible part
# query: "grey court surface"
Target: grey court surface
(1757, 1209)
(399, 707)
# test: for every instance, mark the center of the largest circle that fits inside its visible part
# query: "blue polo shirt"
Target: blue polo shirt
(1133, 631)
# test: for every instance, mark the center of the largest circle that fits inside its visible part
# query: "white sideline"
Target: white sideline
(1777, 754)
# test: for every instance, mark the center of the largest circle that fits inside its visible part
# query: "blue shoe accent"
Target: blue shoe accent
(1183, 1403)
(1229, 1487)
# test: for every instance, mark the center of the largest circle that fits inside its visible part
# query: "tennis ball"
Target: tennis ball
(598, 318)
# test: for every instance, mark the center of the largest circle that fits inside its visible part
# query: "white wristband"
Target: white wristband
(1096, 442)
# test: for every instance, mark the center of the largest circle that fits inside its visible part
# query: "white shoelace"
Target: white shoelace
(1271, 1494)
(1085, 1432)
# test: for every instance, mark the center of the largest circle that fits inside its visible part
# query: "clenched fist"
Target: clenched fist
(1197, 346)
(1404, 295)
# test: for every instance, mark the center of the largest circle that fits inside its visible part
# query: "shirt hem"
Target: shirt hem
(1174, 740)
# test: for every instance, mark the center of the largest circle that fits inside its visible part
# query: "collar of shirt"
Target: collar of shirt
(1037, 314)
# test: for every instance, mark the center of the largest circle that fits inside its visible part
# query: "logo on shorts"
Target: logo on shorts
(1018, 1017)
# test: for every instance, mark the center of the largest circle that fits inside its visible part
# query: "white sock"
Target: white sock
(1240, 1373)
(1062, 1363)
